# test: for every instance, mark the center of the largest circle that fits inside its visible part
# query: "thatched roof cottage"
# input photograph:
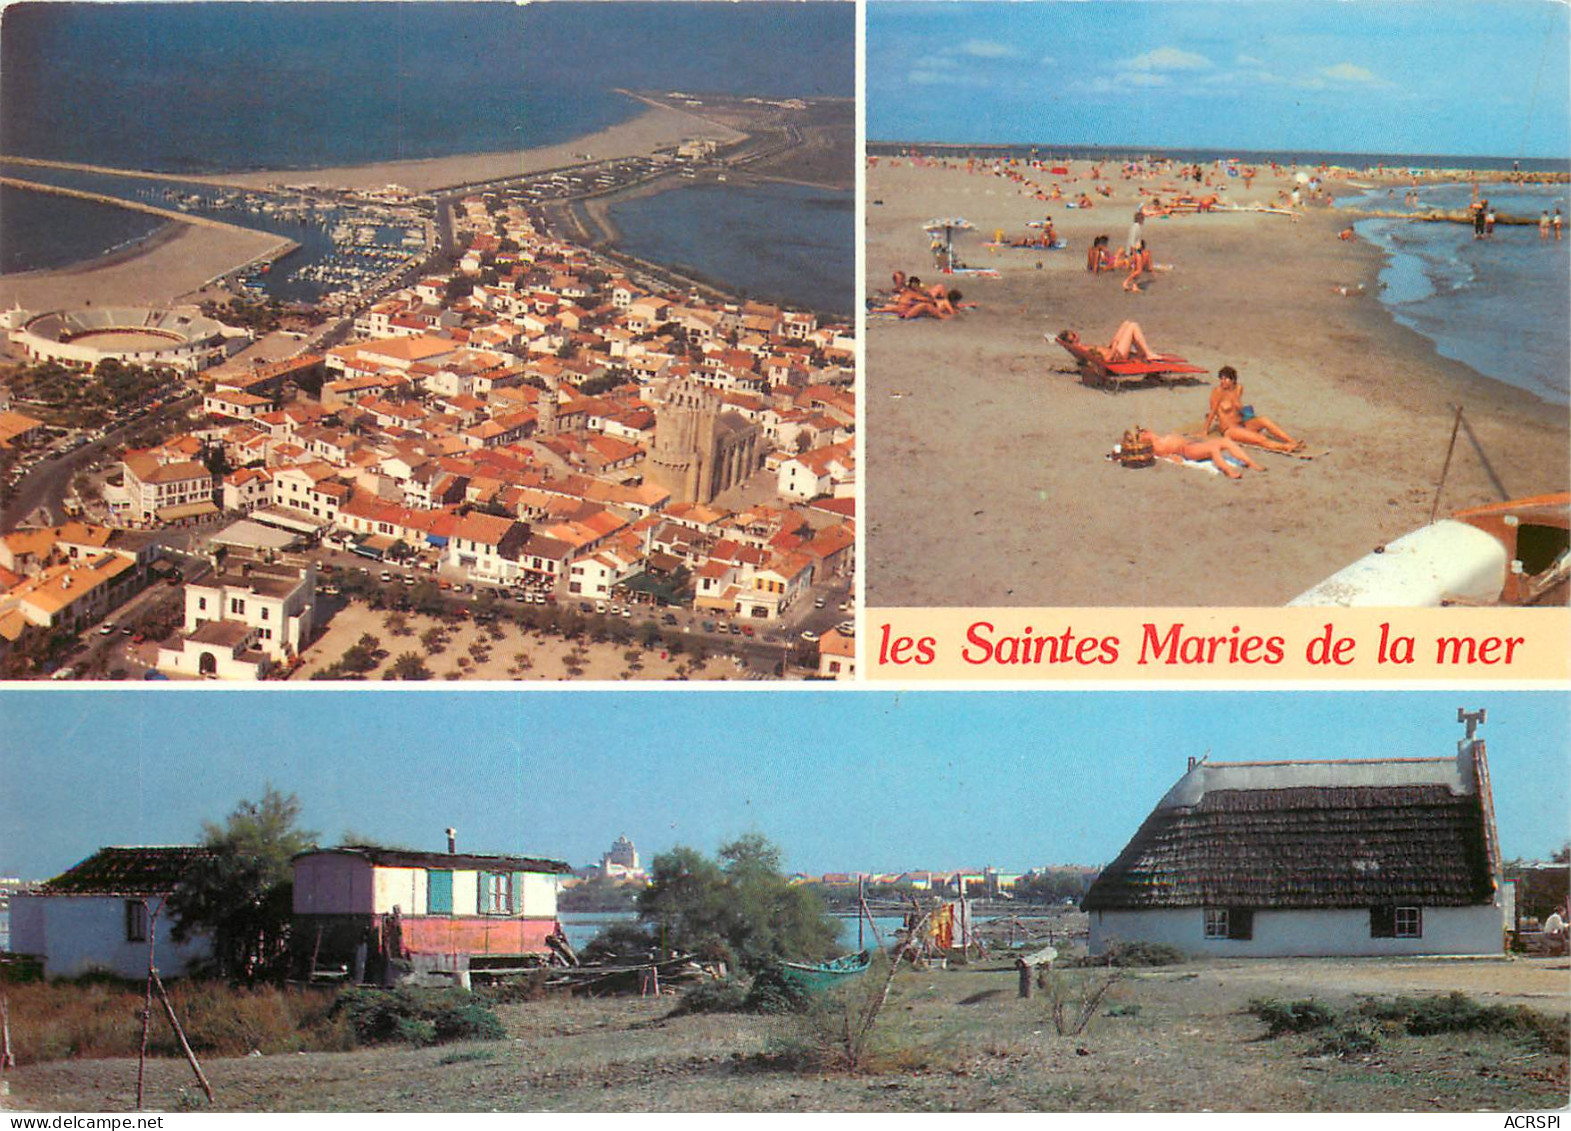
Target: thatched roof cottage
(1384, 856)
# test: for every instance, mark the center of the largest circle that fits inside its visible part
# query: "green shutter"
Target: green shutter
(439, 893)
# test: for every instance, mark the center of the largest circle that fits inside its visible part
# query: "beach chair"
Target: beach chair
(1113, 376)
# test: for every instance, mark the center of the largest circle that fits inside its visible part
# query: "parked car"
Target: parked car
(809, 635)
(669, 618)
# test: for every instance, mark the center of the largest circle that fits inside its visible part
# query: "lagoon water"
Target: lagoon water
(582, 926)
(781, 242)
(1497, 305)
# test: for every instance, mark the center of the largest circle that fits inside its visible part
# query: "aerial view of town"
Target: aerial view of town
(495, 387)
(1354, 902)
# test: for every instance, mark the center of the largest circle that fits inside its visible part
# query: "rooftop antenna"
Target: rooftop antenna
(1473, 719)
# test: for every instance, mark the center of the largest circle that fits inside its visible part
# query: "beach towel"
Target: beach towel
(979, 272)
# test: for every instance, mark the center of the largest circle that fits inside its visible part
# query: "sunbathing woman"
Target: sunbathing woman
(1216, 450)
(935, 303)
(1128, 343)
(1238, 421)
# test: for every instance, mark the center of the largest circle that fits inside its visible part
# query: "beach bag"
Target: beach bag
(1134, 451)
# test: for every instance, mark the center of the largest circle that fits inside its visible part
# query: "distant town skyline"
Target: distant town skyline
(1423, 78)
(860, 781)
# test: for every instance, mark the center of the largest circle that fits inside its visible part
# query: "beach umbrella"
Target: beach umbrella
(949, 226)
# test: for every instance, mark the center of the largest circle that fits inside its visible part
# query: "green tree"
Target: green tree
(240, 895)
(409, 665)
(740, 908)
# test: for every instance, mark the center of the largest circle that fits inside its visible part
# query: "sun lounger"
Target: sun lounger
(1097, 373)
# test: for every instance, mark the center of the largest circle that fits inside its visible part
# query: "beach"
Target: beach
(179, 258)
(656, 127)
(172, 263)
(1016, 504)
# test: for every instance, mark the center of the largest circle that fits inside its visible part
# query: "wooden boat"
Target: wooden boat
(815, 977)
(1511, 553)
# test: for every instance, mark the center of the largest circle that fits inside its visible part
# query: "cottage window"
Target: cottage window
(1390, 922)
(135, 920)
(1409, 923)
(1236, 923)
(496, 893)
(237, 606)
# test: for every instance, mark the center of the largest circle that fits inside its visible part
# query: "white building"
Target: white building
(243, 619)
(97, 916)
(1265, 859)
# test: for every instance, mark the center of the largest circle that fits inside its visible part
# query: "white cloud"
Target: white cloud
(1168, 59)
(1349, 72)
(1145, 78)
(1249, 61)
(1048, 61)
(988, 49)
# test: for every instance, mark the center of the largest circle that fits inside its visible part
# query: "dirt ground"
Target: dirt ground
(546, 656)
(1172, 1039)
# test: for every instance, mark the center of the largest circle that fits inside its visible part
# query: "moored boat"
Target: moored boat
(817, 976)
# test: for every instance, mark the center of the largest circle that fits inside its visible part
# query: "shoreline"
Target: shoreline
(1252, 290)
(646, 131)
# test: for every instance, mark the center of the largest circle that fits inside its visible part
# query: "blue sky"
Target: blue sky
(1452, 78)
(841, 781)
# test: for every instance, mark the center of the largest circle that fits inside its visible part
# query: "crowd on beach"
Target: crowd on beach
(1232, 429)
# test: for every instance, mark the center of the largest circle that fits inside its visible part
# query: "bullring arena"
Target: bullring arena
(181, 337)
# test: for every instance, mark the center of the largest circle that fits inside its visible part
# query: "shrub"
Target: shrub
(1134, 954)
(1347, 1040)
(772, 992)
(1458, 1013)
(1300, 1016)
(724, 995)
(417, 1016)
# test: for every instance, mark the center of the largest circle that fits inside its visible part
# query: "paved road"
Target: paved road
(47, 484)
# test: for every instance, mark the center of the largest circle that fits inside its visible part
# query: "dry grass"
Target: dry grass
(59, 1020)
(1174, 1039)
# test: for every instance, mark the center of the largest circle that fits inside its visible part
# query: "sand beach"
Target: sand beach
(179, 258)
(657, 126)
(172, 263)
(987, 482)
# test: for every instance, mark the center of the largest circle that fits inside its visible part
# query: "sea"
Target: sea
(195, 88)
(1498, 305)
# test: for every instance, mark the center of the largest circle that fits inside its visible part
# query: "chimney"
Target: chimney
(1191, 762)
(452, 841)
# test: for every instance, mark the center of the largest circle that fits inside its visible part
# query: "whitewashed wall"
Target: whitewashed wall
(1447, 930)
(77, 934)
